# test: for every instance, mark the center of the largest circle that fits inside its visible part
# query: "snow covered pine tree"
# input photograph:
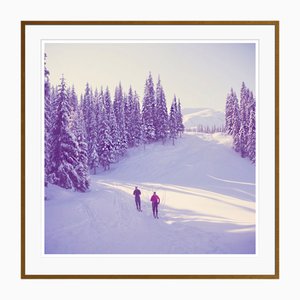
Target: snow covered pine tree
(65, 150)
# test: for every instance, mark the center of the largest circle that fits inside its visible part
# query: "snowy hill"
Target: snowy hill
(207, 203)
(192, 117)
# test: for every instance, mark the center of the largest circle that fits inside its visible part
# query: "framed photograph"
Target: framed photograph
(150, 149)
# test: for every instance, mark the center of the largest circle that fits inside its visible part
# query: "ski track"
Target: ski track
(192, 220)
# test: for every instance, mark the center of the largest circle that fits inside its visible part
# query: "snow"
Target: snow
(207, 205)
(202, 116)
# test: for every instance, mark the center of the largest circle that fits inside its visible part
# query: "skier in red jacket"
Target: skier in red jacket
(155, 201)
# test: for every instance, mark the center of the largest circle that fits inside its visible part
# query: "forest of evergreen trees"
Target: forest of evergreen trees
(82, 135)
(95, 131)
(240, 122)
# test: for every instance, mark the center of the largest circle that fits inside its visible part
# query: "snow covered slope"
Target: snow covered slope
(207, 203)
(192, 117)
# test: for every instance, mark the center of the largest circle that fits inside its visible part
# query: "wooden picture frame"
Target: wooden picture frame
(33, 32)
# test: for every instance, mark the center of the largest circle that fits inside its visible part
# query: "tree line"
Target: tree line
(240, 122)
(206, 129)
(95, 131)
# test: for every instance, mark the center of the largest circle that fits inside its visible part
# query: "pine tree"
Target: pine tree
(244, 103)
(161, 114)
(148, 111)
(243, 141)
(137, 125)
(120, 119)
(54, 104)
(236, 123)
(105, 143)
(73, 99)
(180, 126)
(89, 112)
(229, 112)
(113, 129)
(48, 123)
(251, 144)
(82, 167)
(93, 159)
(250, 105)
(107, 102)
(129, 117)
(173, 121)
(156, 111)
(86, 100)
(99, 115)
(64, 154)
(96, 101)
(144, 139)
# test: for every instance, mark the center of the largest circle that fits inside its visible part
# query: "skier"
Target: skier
(137, 195)
(155, 201)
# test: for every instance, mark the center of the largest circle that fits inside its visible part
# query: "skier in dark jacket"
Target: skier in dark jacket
(137, 195)
(155, 201)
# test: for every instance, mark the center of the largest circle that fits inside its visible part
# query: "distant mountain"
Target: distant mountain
(192, 117)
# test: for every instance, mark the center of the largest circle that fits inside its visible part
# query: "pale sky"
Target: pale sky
(200, 74)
